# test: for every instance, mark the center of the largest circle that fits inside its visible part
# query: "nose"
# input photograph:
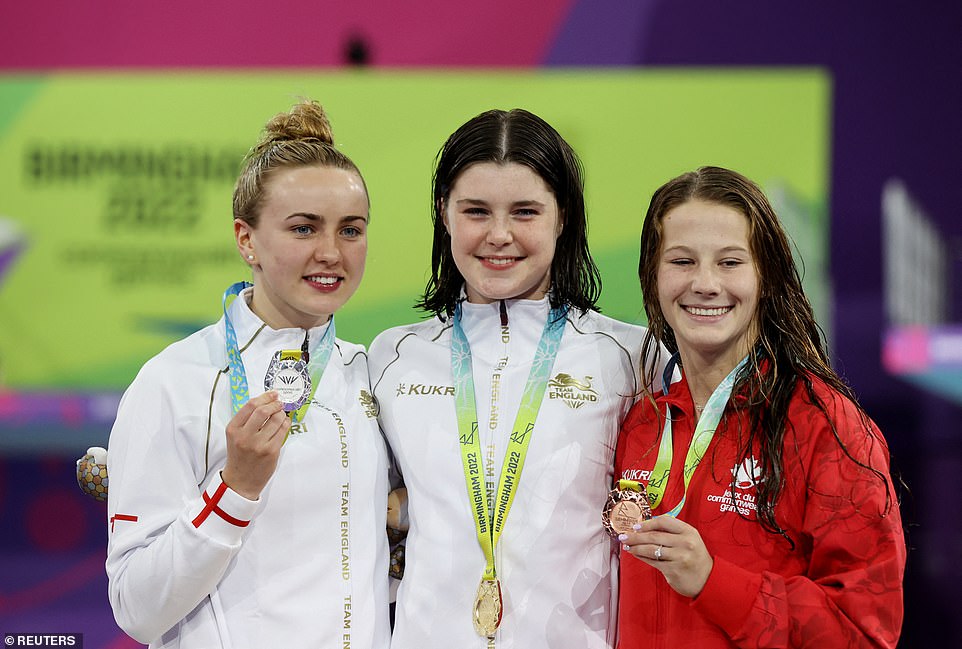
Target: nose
(326, 250)
(705, 280)
(499, 231)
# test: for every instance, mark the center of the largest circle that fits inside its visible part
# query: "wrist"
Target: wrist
(235, 484)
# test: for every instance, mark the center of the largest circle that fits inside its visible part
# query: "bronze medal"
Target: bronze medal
(625, 506)
(487, 608)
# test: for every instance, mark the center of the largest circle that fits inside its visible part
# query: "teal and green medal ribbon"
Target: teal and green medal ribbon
(704, 433)
(489, 525)
(239, 392)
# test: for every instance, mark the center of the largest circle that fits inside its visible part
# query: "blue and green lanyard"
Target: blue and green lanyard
(239, 392)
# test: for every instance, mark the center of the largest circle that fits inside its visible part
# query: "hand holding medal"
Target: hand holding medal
(674, 548)
(254, 439)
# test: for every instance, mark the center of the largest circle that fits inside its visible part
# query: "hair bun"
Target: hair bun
(306, 120)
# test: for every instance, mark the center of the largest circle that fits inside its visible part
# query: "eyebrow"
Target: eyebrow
(317, 217)
(481, 202)
(726, 249)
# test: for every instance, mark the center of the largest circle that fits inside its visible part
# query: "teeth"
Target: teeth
(323, 280)
(719, 310)
(499, 261)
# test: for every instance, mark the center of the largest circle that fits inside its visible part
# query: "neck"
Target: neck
(704, 375)
(535, 293)
(700, 388)
(277, 319)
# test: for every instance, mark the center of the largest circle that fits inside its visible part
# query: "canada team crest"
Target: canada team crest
(747, 474)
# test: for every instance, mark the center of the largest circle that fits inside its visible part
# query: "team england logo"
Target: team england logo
(573, 392)
(368, 403)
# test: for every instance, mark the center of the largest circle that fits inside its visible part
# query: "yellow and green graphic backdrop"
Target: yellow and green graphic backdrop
(115, 220)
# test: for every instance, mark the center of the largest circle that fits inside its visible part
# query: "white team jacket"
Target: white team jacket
(192, 564)
(556, 563)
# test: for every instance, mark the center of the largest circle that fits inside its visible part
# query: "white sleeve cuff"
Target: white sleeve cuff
(225, 514)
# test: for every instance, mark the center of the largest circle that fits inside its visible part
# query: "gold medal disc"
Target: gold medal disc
(487, 608)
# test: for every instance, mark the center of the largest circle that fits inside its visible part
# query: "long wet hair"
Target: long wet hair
(790, 347)
(522, 137)
(301, 137)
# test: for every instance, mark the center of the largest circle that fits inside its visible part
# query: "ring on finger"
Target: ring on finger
(658, 553)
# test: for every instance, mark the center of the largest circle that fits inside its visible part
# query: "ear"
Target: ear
(243, 235)
(444, 215)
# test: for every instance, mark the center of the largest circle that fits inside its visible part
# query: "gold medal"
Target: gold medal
(487, 608)
(625, 506)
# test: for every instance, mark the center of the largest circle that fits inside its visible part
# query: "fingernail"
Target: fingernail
(622, 537)
(636, 526)
(627, 549)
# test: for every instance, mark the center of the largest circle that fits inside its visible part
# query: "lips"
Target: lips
(499, 262)
(713, 311)
(324, 282)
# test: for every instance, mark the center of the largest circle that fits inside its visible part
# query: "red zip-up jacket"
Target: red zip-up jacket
(841, 584)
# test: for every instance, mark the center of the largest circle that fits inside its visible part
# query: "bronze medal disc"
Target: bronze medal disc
(623, 509)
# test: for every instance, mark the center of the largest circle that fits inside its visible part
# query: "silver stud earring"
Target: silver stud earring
(250, 257)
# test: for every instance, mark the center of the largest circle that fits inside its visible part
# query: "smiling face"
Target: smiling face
(309, 246)
(504, 222)
(708, 286)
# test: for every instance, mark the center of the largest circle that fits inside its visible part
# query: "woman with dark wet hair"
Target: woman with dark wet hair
(502, 409)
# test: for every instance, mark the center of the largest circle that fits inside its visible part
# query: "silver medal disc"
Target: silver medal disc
(288, 375)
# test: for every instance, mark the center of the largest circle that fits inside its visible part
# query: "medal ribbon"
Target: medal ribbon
(239, 392)
(704, 433)
(490, 524)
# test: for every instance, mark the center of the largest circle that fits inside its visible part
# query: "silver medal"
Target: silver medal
(288, 375)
